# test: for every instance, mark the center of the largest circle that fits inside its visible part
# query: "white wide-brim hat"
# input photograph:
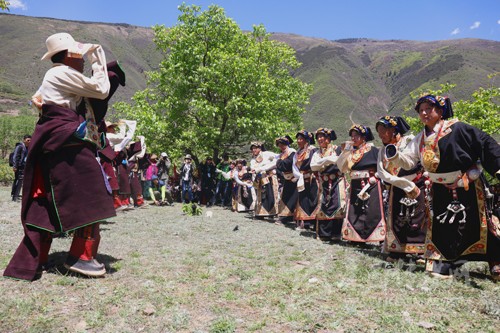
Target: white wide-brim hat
(64, 41)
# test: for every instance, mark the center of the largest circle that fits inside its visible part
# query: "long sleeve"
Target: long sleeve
(410, 156)
(490, 153)
(239, 181)
(18, 156)
(319, 163)
(342, 161)
(65, 86)
(269, 162)
(404, 184)
(295, 169)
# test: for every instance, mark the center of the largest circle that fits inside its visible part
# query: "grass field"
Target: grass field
(168, 272)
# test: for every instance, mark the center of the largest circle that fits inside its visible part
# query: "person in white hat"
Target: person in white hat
(64, 84)
(65, 187)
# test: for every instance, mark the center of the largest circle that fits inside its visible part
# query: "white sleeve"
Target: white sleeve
(295, 169)
(239, 181)
(316, 162)
(253, 164)
(410, 156)
(404, 184)
(269, 162)
(97, 86)
(342, 161)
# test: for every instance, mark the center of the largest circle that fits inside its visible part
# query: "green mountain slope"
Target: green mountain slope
(355, 80)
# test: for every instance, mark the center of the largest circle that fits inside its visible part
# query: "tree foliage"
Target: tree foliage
(4, 5)
(217, 87)
(12, 130)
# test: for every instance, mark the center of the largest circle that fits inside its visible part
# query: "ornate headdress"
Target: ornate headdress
(257, 144)
(286, 140)
(442, 102)
(306, 135)
(396, 122)
(326, 132)
(364, 131)
(240, 160)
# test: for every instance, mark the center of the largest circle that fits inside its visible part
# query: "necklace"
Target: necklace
(302, 154)
(285, 154)
(357, 155)
(430, 153)
(328, 151)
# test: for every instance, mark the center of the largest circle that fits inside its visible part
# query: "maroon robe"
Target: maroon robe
(64, 185)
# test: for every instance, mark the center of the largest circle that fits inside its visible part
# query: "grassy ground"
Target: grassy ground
(172, 273)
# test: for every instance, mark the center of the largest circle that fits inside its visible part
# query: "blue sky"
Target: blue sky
(424, 20)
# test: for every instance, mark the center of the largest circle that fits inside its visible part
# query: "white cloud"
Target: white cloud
(498, 21)
(17, 4)
(475, 25)
(455, 32)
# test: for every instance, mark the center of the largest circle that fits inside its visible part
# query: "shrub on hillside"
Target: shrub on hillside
(6, 173)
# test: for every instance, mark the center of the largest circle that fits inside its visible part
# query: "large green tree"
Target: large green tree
(4, 5)
(217, 87)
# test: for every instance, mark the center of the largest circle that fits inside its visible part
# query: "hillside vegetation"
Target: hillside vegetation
(354, 79)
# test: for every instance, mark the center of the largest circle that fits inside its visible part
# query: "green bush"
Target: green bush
(6, 173)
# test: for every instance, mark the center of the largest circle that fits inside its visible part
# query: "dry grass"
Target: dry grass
(171, 273)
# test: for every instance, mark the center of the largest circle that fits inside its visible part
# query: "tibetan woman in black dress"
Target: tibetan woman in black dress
(408, 211)
(464, 224)
(331, 184)
(365, 221)
(284, 166)
(307, 183)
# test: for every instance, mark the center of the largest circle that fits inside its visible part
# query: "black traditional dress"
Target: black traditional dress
(462, 226)
(288, 197)
(364, 221)
(307, 185)
(332, 190)
(243, 191)
(266, 184)
(406, 219)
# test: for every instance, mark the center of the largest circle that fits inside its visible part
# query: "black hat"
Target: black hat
(396, 122)
(443, 102)
(306, 135)
(286, 140)
(240, 160)
(364, 131)
(257, 144)
(326, 132)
